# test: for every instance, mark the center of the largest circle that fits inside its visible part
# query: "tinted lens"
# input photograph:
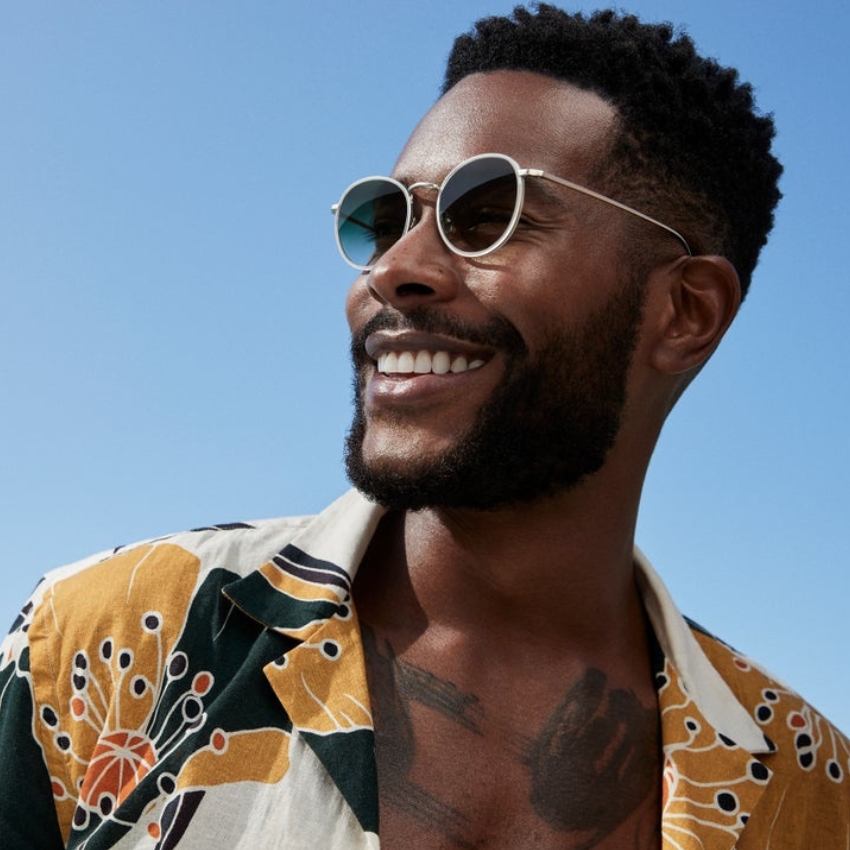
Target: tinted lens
(478, 205)
(371, 218)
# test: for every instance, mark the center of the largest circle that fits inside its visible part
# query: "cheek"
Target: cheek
(548, 291)
(531, 294)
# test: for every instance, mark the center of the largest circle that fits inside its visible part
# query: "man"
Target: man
(473, 649)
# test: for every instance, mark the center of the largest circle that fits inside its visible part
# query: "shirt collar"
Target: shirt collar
(336, 540)
(704, 684)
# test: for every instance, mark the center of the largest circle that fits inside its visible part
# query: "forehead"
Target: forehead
(539, 121)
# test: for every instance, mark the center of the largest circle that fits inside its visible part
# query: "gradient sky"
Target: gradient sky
(172, 345)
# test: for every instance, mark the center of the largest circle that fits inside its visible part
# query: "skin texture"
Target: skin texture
(508, 655)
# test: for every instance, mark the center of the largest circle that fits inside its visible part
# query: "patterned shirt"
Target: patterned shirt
(208, 689)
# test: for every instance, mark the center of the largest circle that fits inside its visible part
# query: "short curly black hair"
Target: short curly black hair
(691, 146)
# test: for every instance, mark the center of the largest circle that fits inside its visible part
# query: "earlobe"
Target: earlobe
(703, 298)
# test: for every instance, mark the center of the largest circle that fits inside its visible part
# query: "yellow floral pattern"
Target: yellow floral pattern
(718, 796)
(95, 711)
(330, 693)
(214, 683)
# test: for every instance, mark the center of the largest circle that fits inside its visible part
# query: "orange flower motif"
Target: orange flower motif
(119, 762)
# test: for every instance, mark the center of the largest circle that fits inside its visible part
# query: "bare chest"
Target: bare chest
(460, 769)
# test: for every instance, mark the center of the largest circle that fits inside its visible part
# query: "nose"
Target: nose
(417, 270)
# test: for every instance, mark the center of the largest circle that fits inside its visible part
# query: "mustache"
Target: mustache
(497, 333)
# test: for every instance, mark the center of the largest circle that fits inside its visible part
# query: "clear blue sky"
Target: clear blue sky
(172, 346)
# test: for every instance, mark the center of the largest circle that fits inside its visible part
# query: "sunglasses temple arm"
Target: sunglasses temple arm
(536, 172)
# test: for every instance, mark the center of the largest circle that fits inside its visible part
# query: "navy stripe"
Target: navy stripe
(294, 561)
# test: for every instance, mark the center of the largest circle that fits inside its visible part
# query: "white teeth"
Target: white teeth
(424, 363)
(440, 363)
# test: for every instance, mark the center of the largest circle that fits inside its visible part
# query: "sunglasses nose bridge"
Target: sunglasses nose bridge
(415, 216)
(419, 186)
(423, 184)
(422, 228)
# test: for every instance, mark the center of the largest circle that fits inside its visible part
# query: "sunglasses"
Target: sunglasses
(478, 207)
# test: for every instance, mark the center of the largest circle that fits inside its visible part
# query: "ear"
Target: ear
(703, 297)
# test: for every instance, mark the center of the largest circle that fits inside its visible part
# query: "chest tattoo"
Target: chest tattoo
(590, 766)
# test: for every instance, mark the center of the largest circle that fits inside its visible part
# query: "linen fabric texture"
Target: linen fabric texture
(208, 689)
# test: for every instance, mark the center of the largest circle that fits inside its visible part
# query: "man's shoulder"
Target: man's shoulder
(158, 579)
(237, 547)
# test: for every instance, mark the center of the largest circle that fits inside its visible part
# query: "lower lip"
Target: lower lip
(418, 389)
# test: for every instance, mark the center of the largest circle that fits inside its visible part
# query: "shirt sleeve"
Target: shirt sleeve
(27, 813)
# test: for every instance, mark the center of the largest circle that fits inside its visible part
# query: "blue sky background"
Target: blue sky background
(172, 345)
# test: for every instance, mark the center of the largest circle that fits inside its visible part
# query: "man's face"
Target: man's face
(537, 336)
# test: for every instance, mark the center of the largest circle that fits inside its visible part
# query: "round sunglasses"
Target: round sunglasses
(478, 207)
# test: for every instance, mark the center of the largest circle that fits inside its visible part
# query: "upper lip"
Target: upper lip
(380, 342)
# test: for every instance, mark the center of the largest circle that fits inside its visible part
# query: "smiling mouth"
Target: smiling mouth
(426, 363)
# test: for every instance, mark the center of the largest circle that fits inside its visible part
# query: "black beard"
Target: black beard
(548, 425)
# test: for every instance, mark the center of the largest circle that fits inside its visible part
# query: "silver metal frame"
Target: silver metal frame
(520, 173)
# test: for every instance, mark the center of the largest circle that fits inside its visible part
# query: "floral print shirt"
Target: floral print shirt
(208, 689)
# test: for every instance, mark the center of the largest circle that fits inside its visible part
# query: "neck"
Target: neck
(559, 571)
